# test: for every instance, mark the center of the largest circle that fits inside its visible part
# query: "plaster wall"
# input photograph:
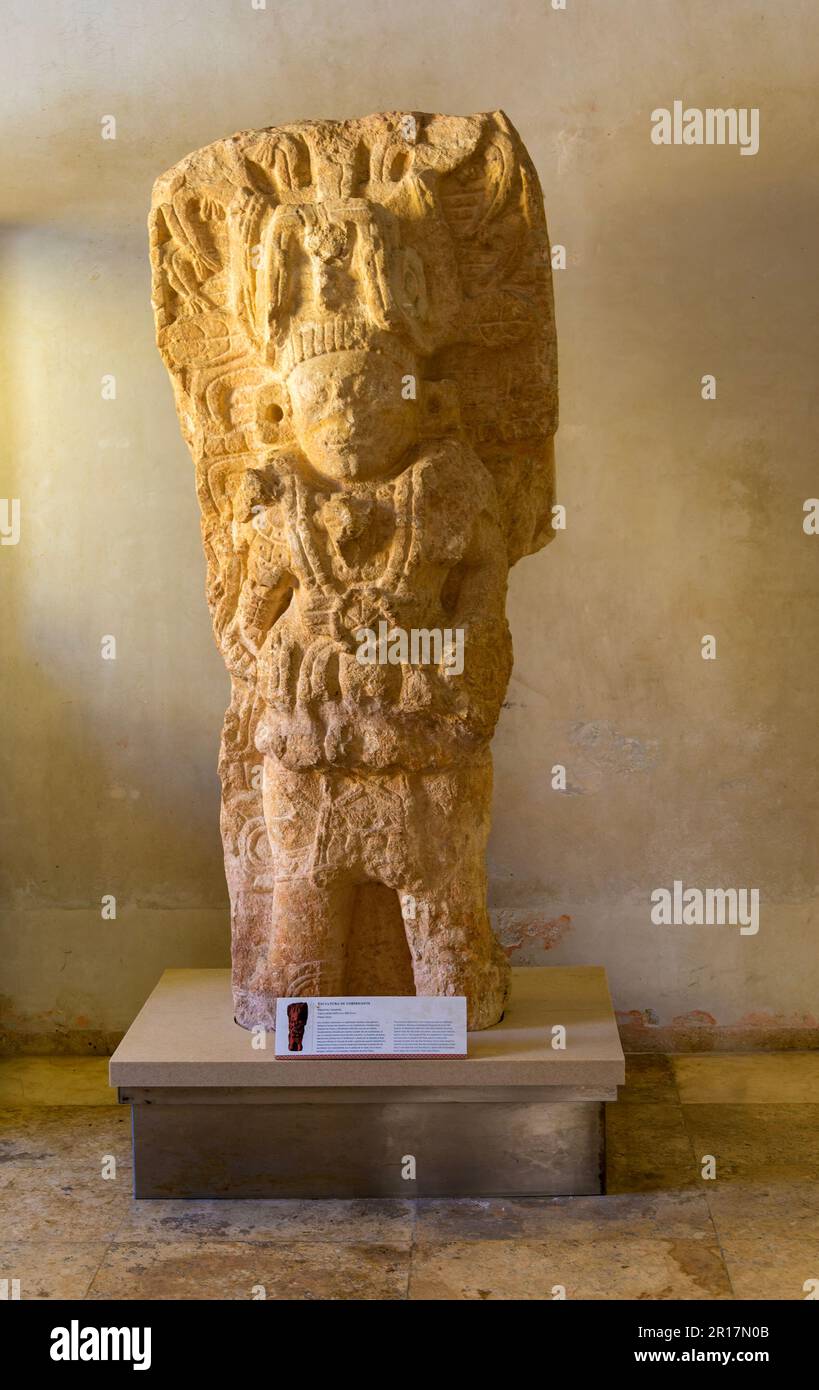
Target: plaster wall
(684, 515)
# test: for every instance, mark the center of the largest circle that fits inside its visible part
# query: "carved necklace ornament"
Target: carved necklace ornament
(357, 319)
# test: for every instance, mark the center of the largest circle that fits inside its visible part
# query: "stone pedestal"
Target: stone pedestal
(216, 1116)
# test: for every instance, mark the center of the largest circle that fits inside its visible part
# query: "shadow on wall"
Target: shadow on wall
(111, 683)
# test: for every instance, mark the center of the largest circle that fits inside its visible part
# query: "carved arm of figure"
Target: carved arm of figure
(477, 668)
(466, 545)
(263, 598)
(480, 681)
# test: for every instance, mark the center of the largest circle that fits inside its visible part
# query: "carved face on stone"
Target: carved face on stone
(349, 416)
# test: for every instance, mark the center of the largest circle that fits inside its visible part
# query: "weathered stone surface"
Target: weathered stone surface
(357, 319)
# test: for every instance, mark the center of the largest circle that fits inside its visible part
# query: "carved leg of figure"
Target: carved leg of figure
(309, 924)
(454, 950)
(309, 932)
(453, 947)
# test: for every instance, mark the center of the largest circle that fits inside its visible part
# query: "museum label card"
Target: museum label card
(382, 1026)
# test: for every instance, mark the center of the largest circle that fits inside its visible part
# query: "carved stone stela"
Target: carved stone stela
(357, 319)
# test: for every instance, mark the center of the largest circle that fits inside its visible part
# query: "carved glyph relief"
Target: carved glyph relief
(357, 319)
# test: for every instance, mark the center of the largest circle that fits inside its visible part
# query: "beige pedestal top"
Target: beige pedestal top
(185, 1036)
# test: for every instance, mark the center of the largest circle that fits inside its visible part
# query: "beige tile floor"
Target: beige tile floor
(662, 1231)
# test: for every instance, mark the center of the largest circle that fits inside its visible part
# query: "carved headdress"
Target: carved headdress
(420, 235)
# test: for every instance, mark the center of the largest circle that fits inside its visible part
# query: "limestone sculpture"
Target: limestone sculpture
(357, 319)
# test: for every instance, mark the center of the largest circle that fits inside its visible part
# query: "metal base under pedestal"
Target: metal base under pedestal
(216, 1116)
(219, 1145)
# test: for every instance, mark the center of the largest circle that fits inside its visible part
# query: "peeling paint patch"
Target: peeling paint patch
(637, 1018)
(697, 1018)
(517, 929)
(763, 1019)
(698, 1031)
(611, 750)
